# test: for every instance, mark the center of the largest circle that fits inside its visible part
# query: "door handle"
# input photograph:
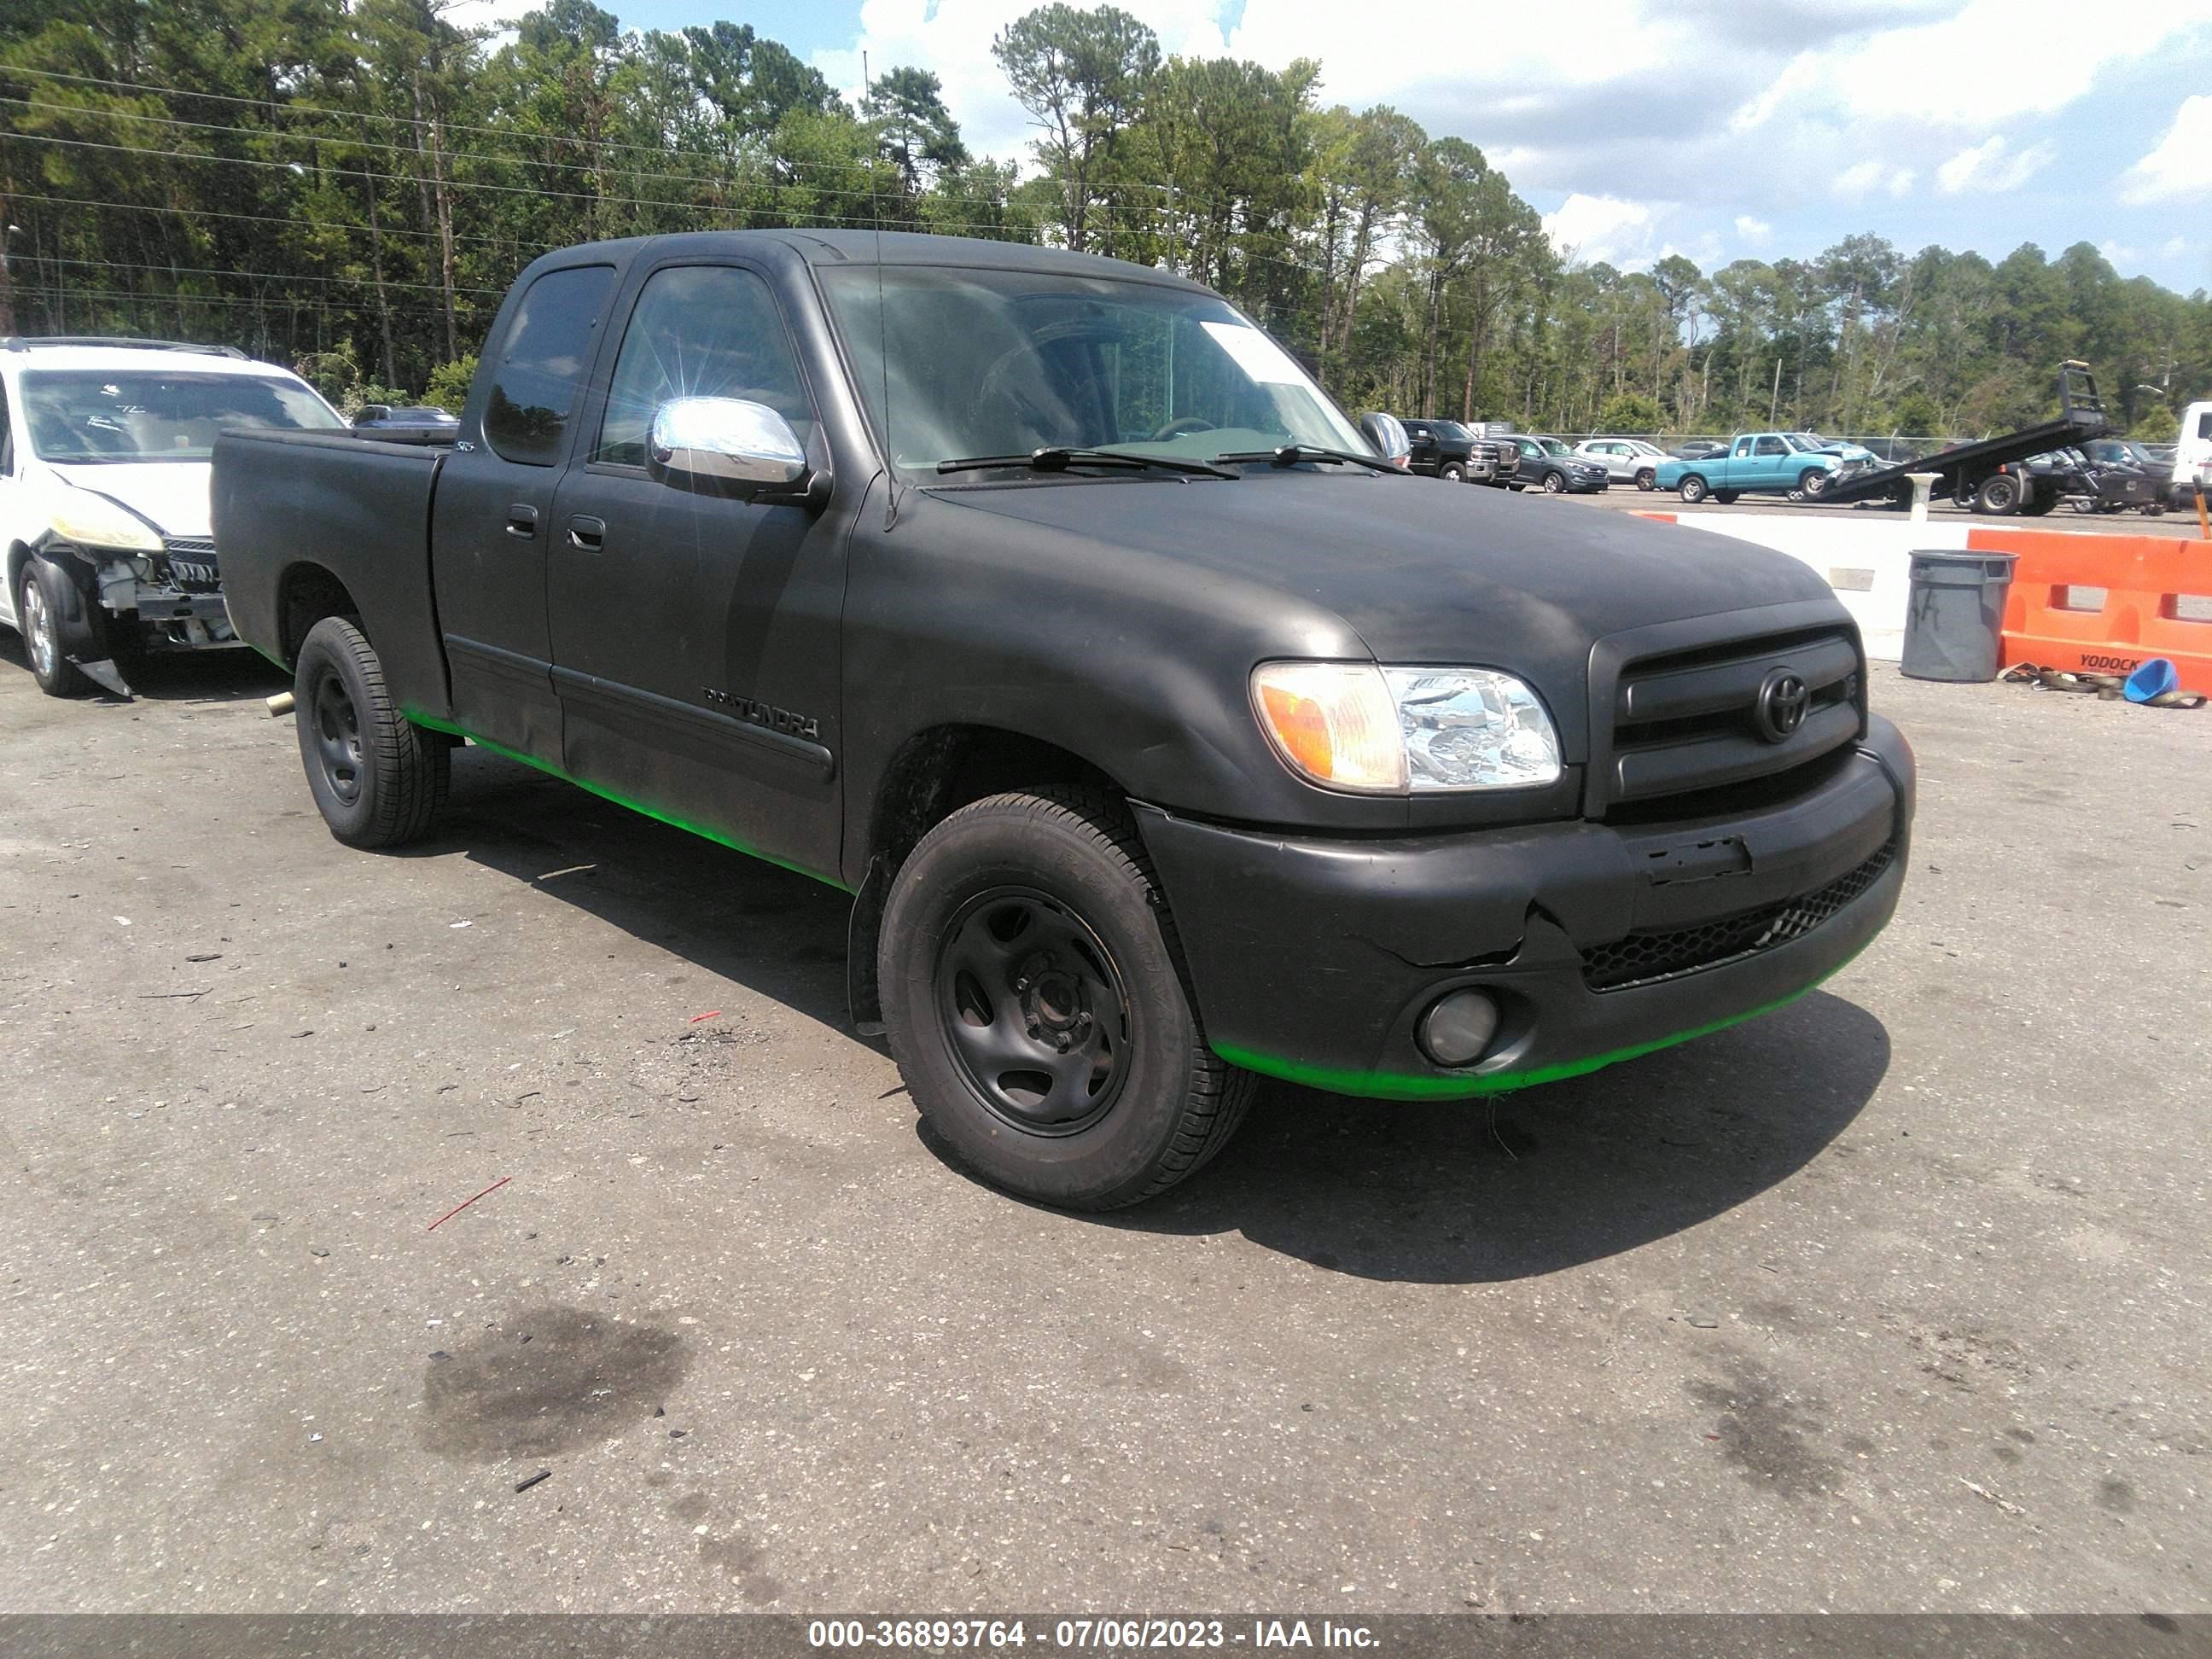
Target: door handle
(586, 534)
(522, 520)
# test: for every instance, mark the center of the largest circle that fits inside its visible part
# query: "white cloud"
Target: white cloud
(2044, 58)
(1989, 169)
(1863, 178)
(2118, 253)
(1600, 228)
(2181, 165)
(1755, 232)
(2173, 248)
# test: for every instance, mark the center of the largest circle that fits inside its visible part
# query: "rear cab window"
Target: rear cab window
(541, 367)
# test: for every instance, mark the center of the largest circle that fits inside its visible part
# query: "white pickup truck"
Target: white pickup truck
(105, 448)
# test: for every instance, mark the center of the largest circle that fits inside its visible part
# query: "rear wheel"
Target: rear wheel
(1999, 494)
(1693, 490)
(41, 601)
(1647, 478)
(1034, 999)
(378, 778)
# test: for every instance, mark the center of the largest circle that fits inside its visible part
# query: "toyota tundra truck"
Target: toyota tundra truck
(1164, 737)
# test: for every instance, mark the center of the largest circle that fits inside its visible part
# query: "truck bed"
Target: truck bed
(295, 510)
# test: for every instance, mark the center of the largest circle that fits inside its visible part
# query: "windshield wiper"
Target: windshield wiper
(1292, 454)
(1059, 458)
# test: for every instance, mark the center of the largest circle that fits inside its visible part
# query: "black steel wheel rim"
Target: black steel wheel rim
(335, 726)
(1033, 1011)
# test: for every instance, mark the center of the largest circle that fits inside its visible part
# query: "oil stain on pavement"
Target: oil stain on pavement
(548, 1381)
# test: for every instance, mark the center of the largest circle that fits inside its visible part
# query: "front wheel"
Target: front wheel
(378, 778)
(1647, 479)
(1035, 1003)
(41, 601)
(1452, 472)
(1555, 484)
(1813, 482)
(1693, 490)
(1726, 497)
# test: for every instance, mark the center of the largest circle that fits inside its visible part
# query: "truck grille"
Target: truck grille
(1689, 721)
(1645, 958)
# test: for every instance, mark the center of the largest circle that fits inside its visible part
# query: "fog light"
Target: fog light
(1458, 1027)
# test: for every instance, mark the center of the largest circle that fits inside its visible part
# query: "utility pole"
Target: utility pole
(1774, 402)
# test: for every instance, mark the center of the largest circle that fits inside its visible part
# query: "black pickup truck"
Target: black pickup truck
(1163, 735)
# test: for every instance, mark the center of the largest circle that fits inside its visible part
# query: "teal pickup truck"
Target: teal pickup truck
(1766, 462)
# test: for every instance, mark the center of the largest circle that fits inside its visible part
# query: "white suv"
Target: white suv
(104, 467)
(1628, 460)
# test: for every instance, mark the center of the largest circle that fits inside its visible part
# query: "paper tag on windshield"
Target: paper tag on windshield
(1259, 356)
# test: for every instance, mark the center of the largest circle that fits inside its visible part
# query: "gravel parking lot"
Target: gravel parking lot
(1893, 1300)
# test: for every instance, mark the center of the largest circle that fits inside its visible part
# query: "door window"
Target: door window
(533, 393)
(1772, 447)
(699, 332)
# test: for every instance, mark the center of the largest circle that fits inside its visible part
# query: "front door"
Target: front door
(695, 637)
(489, 514)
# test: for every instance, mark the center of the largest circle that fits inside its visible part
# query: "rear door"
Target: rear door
(494, 502)
(696, 638)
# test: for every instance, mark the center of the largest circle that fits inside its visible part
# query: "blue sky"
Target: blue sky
(1720, 129)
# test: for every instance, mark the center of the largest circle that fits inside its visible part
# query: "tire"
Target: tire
(1693, 488)
(1999, 494)
(1555, 484)
(1726, 497)
(1453, 472)
(42, 599)
(1812, 483)
(1647, 479)
(378, 778)
(971, 1011)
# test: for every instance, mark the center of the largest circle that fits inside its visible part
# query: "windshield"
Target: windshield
(1450, 431)
(89, 416)
(996, 362)
(1805, 442)
(1551, 447)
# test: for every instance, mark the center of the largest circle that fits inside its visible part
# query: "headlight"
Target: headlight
(1400, 731)
(93, 521)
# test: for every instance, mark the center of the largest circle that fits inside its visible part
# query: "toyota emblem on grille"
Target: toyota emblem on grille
(1779, 710)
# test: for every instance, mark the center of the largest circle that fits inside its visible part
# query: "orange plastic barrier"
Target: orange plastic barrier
(2155, 587)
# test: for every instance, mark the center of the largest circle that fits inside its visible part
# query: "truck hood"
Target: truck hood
(1425, 572)
(171, 495)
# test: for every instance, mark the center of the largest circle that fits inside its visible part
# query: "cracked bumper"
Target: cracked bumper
(1313, 959)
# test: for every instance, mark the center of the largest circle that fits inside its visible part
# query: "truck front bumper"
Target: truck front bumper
(1314, 959)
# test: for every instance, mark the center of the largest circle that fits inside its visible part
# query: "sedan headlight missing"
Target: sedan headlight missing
(1406, 731)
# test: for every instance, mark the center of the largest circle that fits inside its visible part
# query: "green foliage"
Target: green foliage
(353, 185)
(448, 384)
(2156, 425)
(1630, 412)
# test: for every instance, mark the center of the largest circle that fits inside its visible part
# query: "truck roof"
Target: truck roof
(889, 247)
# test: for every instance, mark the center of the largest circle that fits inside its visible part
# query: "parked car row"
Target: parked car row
(1163, 732)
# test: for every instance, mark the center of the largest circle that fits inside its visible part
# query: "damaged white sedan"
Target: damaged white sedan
(104, 465)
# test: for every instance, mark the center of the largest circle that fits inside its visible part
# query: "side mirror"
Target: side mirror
(726, 446)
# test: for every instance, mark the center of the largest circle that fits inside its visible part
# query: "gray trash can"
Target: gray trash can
(1956, 615)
